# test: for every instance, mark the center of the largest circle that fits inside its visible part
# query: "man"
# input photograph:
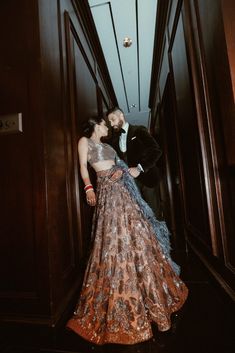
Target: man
(141, 152)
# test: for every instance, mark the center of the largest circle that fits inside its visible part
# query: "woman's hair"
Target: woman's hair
(89, 125)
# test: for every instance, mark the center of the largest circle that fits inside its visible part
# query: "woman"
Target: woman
(130, 280)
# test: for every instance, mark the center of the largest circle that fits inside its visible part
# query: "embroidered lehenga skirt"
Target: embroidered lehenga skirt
(129, 282)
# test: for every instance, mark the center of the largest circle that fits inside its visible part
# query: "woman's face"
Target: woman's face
(103, 129)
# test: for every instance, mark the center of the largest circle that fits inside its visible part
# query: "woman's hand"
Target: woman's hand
(91, 198)
(134, 172)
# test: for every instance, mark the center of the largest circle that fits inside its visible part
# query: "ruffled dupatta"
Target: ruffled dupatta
(160, 228)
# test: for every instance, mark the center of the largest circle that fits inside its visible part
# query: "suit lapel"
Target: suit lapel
(116, 143)
(130, 134)
(131, 131)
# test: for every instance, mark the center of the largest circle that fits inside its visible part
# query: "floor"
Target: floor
(206, 324)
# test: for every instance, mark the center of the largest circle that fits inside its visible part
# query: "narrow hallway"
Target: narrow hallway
(56, 72)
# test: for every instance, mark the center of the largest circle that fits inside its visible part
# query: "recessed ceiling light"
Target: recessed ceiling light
(127, 42)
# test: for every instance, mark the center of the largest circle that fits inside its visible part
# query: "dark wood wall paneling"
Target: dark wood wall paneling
(228, 11)
(23, 264)
(198, 82)
(200, 61)
(228, 123)
(170, 186)
(52, 70)
(196, 216)
(219, 101)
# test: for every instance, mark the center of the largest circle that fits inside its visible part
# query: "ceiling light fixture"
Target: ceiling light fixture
(127, 42)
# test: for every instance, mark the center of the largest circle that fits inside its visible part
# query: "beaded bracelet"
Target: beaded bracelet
(91, 189)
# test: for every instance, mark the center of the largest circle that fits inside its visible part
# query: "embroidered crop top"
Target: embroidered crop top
(99, 152)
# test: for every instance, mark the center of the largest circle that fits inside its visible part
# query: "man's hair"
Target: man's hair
(114, 110)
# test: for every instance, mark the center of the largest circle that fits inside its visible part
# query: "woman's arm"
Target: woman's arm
(82, 152)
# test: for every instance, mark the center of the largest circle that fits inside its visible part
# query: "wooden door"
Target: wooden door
(171, 182)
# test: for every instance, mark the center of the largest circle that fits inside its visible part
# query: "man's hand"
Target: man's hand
(134, 172)
(116, 175)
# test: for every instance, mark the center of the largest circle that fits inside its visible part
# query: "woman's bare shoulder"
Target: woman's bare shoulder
(83, 141)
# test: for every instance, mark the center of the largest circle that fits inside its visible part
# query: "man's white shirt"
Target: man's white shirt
(123, 138)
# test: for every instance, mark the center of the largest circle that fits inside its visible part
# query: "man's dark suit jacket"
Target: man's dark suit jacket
(141, 149)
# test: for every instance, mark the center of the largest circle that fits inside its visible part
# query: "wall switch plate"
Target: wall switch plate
(11, 123)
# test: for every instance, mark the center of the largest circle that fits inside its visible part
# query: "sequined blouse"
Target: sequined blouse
(99, 152)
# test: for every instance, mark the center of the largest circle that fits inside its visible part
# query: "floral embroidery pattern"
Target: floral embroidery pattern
(128, 283)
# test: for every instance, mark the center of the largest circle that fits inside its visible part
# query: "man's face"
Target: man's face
(116, 120)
